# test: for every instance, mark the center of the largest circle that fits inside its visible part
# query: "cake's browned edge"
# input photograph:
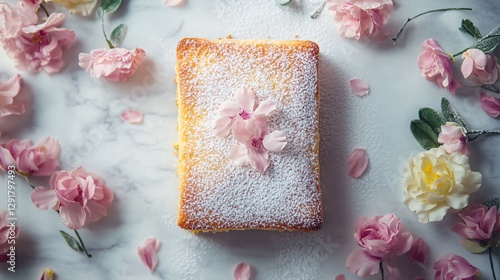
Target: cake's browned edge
(313, 48)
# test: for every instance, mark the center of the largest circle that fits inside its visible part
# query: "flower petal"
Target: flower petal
(359, 87)
(358, 161)
(241, 133)
(467, 66)
(243, 271)
(72, 215)
(265, 108)
(340, 277)
(133, 116)
(419, 252)
(362, 264)
(148, 252)
(258, 159)
(239, 154)
(229, 108)
(44, 198)
(490, 104)
(222, 126)
(274, 141)
(245, 97)
(174, 3)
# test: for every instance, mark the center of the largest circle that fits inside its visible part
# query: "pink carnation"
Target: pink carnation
(437, 66)
(480, 68)
(9, 105)
(117, 64)
(453, 267)
(479, 223)
(13, 19)
(360, 18)
(454, 138)
(41, 159)
(380, 238)
(81, 197)
(5, 231)
(490, 104)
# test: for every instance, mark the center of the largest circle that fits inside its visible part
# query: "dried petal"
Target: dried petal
(133, 116)
(340, 277)
(148, 252)
(243, 271)
(358, 161)
(359, 87)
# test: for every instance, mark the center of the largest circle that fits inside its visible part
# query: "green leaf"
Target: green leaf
(448, 110)
(493, 202)
(71, 241)
(432, 118)
(118, 35)
(469, 28)
(491, 88)
(424, 134)
(284, 2)
(109, 6)
(487, 44)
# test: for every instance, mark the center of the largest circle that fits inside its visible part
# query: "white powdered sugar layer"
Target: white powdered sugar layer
(217, 193)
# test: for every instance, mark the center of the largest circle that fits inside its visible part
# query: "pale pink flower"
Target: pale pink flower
(340, 277)
(255, 141)
(148, 252)
(454, 138)
(9, 105)
(419, 251)
(380, 238)
(13, 19)
(81, 197)
(243, 271)
(359, 87)
(490, 104)
(357, 162)
(132, 116)
(480, 68)
(5, 230)
(360, 18)
(241, 109)
(117, 64)
(437, 66)
(453, 267)
(40, 47)
(479, 223)
(41, 159)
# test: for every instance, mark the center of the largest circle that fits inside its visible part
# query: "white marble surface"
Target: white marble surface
(138, 161)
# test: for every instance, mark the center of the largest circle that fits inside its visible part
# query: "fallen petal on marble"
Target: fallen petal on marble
(358, 161)
(148, 252)
(174, 3)
(359, 87)
(48, 274)
(419, 251)
(243, 271)
(340, 277)
(133, 116)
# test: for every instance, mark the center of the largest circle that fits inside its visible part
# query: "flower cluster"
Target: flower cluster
(479, 224)
(250, 128)
(33, 46)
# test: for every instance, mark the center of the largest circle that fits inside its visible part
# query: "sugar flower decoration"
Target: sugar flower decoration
(419, 251)
(360, 19)
(116, 64)
(435, 181)
(454, 138)
(241, 109)
(81, 197)
(453, 267)
(437, 66)
(480, 68)
(79, 7)
(478, 223)
(490, 104)
(148, 252)
(9, 104)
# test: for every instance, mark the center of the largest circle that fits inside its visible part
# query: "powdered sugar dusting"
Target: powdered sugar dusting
(219, 194)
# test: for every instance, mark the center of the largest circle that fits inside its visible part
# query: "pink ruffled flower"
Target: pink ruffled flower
(254, 142)
(117, 64)
(41, 159)
(490, 104)
(419, 251)
(380, 238)
(437, 66)
(148, 252)
(453, 267)
(454, 138)
(81, 197)
(5, 231)
(9, 105)
(360, 18)
(479, 67)
(13, 19)
(479, 223)
(241, 109)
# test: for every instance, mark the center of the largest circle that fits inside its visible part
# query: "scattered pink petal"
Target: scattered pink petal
(359, 87)
(419, 251)
(340, 277)
(148, 252)
(133, 116)
(489, 103)
(174, 3)
(243, 271)
(358, 161)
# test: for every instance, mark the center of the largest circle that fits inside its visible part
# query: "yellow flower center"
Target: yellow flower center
(436, 178)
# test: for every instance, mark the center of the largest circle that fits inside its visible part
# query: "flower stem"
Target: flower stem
(110, 45)
(83, 245)
(27, 178)
(45, 10)
(318, 11)
(400, 32)
(381, 267)
(473, 134)
(490, 251)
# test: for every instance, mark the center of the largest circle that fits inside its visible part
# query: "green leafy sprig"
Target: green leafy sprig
(118, 34)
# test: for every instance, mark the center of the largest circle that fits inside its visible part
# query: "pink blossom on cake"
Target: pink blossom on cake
(478, 223)
(9, 104)
(489, 103)
(81, 197)
(453, 267)
(148, 253)
(480, 68)
(41, 159)
(380, 238)
(243, 271)
(360, 18)
(241, 109)
(437, 66)
(254, 142)
(5, 231)
(116, 64)
(454, 138)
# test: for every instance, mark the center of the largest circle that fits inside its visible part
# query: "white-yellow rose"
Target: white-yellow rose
(80, 7)
(436, 181)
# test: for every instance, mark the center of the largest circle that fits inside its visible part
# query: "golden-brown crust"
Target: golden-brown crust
(217, 195)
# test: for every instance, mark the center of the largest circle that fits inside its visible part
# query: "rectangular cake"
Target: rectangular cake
(255, 166)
